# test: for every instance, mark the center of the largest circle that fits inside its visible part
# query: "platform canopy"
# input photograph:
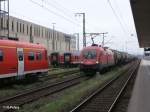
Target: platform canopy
(141, 14)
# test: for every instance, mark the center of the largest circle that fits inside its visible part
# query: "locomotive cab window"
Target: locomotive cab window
(1, 55)
(38, 56)
(91, 54)
(31, 56)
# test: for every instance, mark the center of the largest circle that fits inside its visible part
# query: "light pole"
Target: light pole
(77, 41)
(84, 35)
(53, 41)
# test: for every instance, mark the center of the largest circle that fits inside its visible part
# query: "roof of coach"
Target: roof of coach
(12, 43)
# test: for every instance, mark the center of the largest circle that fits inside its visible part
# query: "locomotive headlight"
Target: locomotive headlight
(97, 62)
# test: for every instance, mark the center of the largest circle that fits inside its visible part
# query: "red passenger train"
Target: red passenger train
(66, 59)
(17, 59)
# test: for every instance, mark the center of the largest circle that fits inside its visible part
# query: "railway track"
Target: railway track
(43, 77)
(32, 95)
(27, 85)
(56, 75)
(122, 103)
(105, 98)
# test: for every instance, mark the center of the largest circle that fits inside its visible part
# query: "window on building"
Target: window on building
(42, 32)
(46, 33)
(31, 56)
(39, 31)
(23, 28)
(1, 23)
(49, 35)
(34, 31)
(27, 30)
(1, 55)
(7, 24)
(31, 31)
(20, 27)
(12, 26)
(56, 45)
(17, 26)
(38, 56)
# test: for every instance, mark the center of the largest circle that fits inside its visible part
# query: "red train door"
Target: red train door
(20, 61)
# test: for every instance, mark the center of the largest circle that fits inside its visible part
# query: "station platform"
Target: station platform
(140, 100)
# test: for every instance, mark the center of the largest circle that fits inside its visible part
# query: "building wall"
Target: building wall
(30, 32)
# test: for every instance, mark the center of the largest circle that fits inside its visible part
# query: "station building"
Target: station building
(21, 30)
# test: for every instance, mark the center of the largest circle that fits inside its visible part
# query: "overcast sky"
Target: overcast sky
(116, 19)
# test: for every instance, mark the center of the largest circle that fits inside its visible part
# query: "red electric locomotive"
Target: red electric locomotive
(17, 59)
(95, 58)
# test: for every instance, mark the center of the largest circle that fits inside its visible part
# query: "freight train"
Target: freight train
(21, 59)
(97, 59)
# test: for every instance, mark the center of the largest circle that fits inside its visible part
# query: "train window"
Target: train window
(46, 55)
(31, 56)
(91, 54)
(20, 55)
(38, 56)
(1, 55)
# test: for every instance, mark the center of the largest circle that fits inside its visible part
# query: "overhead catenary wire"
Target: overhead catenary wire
(55, 13)
(59, 8)
(63, 9)
(117, 17)
(121, 16)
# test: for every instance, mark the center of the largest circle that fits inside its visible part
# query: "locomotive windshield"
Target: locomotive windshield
(91, 54)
